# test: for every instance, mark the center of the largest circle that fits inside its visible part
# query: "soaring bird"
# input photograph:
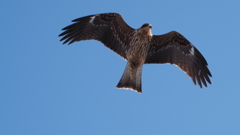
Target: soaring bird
(138, 47)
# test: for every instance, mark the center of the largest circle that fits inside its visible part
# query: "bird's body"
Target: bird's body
(138, 47)
(136, 55)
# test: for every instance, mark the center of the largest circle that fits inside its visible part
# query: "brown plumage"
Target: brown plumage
(138, 47)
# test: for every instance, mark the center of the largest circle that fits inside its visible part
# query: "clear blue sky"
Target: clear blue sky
(47, 88)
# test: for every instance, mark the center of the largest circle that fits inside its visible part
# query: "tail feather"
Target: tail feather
(131, 80)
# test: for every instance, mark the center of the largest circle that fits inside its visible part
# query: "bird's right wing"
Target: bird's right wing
(175, 49)
(109, 28)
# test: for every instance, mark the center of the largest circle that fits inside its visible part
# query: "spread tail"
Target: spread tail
(131, 79)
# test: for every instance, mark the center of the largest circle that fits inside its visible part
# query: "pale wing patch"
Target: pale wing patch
(92, 18)
(192, 51)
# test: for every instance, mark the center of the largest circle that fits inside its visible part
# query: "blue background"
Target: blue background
(47, 88)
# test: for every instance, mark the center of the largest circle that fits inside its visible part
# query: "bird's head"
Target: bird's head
(147, 27)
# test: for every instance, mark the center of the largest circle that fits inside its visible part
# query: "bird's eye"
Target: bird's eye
(150, 27)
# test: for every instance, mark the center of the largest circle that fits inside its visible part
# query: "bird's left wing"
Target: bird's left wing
(108, 28)
(175, 49)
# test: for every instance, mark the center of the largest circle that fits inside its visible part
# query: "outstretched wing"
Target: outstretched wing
(109, 28)
(175, 49)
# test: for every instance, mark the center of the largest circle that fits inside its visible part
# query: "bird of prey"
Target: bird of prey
(138, 47)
